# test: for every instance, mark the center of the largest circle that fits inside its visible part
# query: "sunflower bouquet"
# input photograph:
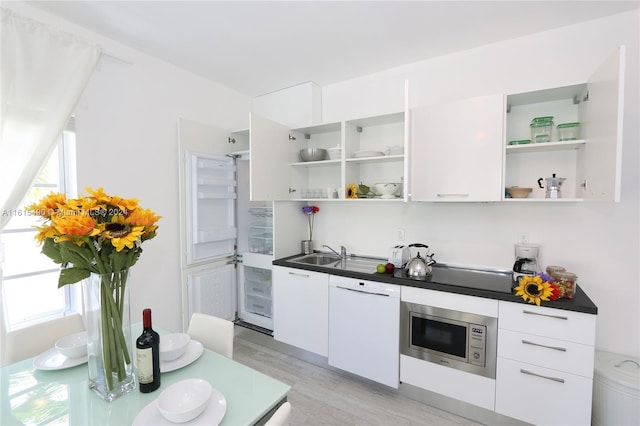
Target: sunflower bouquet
(97, 234)
(537, 288)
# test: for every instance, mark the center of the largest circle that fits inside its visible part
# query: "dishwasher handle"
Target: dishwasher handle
(361, 291)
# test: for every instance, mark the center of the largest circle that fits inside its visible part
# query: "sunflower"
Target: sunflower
(352, 191)
(144, 217)
(48, 205)
(122, 234)
(533, 289)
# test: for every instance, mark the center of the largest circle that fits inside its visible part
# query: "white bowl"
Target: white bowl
(173, 346)
(74, 345)
(386, 190)
(184, 400)
(334, 153)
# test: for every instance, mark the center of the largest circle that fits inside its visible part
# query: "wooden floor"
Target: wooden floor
(320, 396)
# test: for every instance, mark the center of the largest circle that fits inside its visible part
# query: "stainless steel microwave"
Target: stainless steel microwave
(455, 339)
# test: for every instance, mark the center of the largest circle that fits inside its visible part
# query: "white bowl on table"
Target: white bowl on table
(74, 345)
(184, 400)
(173, 346)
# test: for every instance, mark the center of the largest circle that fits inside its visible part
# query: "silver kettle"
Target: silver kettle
(419, 267)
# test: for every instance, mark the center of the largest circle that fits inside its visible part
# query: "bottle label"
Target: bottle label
(145, 365)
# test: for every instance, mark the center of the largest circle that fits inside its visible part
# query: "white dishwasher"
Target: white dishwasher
(364, 328)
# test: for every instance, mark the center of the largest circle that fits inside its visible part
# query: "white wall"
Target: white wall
(127, 137)
(599, 242)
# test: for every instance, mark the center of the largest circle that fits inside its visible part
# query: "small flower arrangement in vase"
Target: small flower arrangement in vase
(310, 211)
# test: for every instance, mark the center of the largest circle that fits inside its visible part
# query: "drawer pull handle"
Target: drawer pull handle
(556, 348)
(452, 194)
(299, 275)
(555, 379)
(627, 360)
(545, 315)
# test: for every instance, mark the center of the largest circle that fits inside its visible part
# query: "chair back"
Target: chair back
(214, 333)
(33, 340)
(281, 415)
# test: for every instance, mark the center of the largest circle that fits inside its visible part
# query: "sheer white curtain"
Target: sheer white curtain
(44, 72)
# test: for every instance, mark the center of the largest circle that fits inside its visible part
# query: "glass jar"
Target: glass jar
(566, 280)
(568, 131)
(551, 270)
(541, 128)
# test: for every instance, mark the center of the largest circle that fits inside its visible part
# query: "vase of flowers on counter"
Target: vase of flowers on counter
(310, 211)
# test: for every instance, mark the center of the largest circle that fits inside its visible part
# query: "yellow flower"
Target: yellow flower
(48, 205)
(45, 232)
(122, 235)
(71, 222)
(352, 191)
(99, 194)
(533, 289)
(146, 218)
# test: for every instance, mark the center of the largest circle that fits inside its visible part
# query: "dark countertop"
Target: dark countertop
(579, 303)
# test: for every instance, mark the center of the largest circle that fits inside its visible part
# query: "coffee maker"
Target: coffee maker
(526, 261)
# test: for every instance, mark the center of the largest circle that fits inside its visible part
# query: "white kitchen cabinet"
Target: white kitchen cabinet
(457, 150)
(301, 309)
(591, 164)
(281, 175)
(547, 353)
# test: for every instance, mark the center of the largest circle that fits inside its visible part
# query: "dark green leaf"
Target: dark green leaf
(52, 250)
(72, 275)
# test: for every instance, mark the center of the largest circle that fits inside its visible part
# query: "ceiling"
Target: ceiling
(258, 47)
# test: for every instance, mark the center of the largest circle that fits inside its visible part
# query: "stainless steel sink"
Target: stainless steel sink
(317, 259)
(350, 263)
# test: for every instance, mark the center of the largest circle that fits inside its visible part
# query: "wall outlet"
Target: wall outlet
(523, 238)
(400, 235)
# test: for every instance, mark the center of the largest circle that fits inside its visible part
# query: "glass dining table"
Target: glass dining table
(32, 396)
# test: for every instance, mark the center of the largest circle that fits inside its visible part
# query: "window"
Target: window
(29, 278)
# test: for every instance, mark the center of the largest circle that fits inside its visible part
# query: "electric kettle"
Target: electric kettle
(419, 267)
(553, 186)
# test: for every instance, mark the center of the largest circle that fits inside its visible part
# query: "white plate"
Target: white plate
(212, 415)
(193, 352)
(52, 359)
(362, 154)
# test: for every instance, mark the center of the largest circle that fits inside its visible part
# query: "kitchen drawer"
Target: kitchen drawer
(548, 322)
(561, 355)
(445, 300)
(542, 396)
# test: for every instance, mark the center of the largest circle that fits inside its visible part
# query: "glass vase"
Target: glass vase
(108, 321)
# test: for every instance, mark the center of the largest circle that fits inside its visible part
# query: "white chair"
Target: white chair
(214, 333)
(33, 340)
(281, 415)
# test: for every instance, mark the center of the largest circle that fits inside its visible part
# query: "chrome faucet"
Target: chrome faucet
(342, 254)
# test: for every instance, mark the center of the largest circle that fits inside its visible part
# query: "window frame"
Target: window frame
(67, 183)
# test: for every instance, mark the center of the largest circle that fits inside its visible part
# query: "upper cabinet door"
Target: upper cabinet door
(270, 150)
(601, 118)
(457, 150)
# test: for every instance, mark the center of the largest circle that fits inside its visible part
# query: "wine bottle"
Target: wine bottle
(148, 355)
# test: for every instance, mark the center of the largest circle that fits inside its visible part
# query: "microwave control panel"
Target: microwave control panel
(477, 344)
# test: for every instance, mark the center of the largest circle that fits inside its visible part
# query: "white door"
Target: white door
(271, 150)
(208, 230)
(601, 119)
